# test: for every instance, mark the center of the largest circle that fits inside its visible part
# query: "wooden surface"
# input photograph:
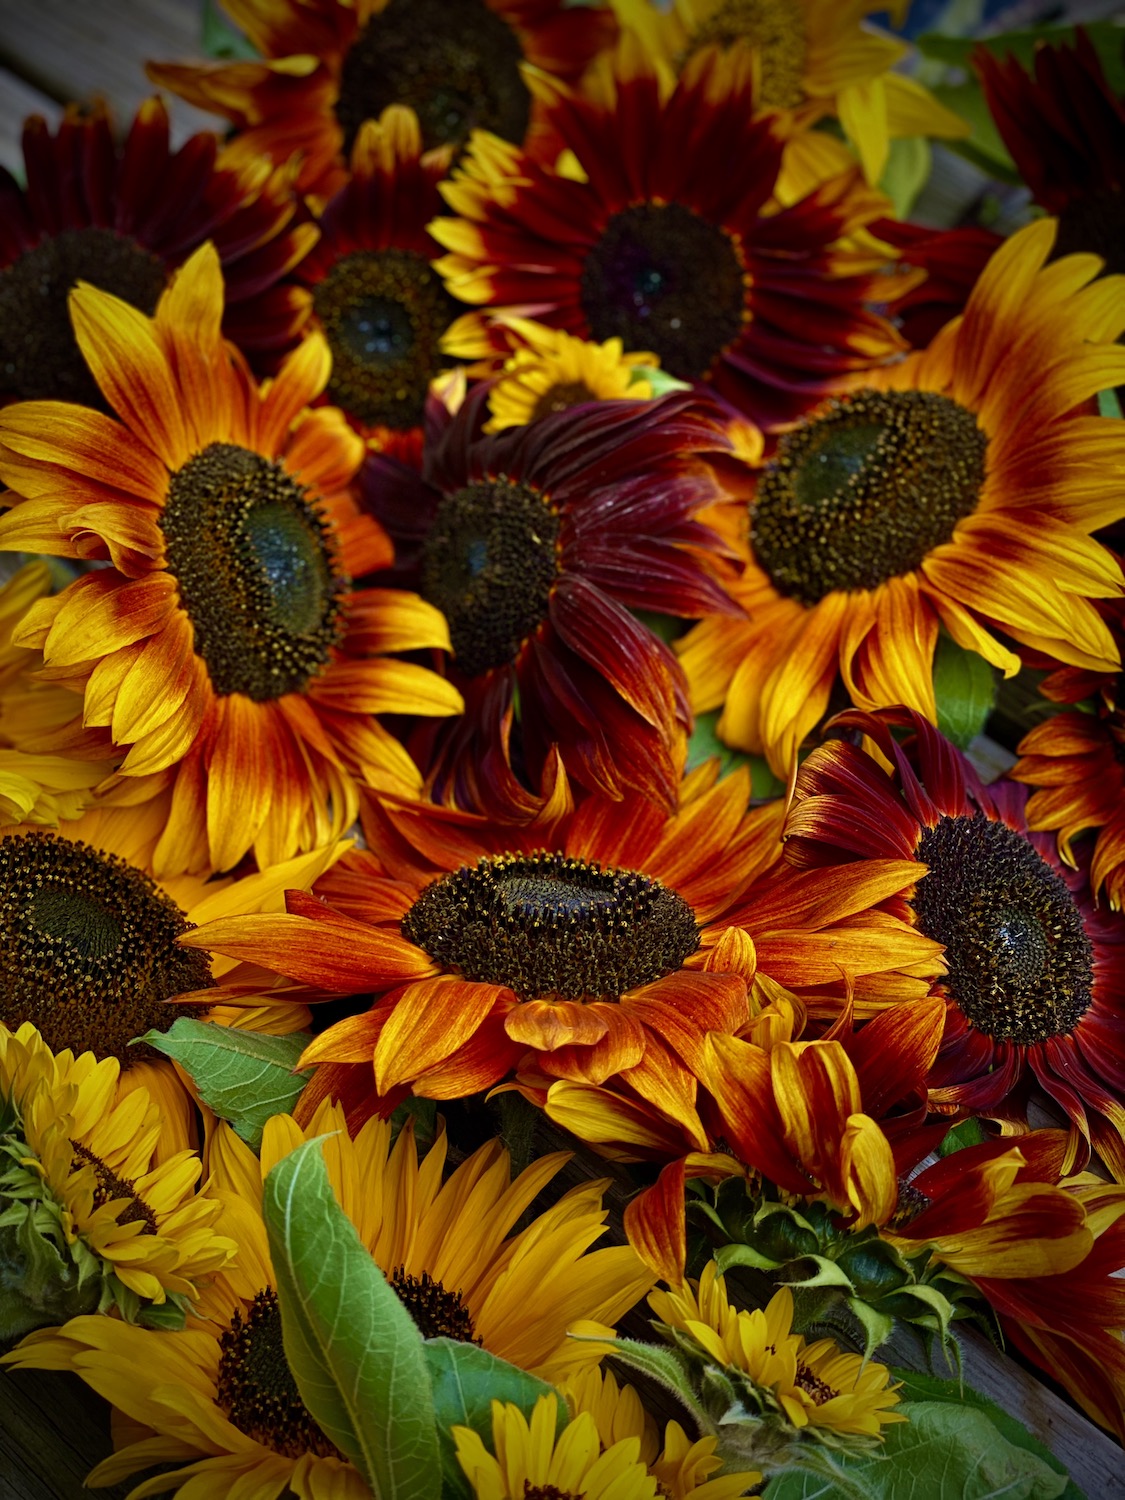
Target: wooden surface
(51, 1428)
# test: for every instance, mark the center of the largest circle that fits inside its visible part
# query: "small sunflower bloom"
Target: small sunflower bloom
(329, 65)
(118, 1228)
(528, 1461)
(550, 371)
(224, 644)
(914, 502)
(124, 217)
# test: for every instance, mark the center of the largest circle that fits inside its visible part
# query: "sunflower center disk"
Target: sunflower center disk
(255, 565)
(866, 491)
(489, 563)
(455, 62)
(110, 1188)
(383, 313)
(662, 278)
(776, 29)
(812, 1385)
(1020, 962)
(255, 1386)
(88, 948)
(551, 927)
(39, 358)
(439, 1314)
(561, 397)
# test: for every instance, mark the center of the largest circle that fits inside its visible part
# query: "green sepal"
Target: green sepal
(39, 1285)
(877, 1326)
(827, 1273)
(727, 1256)
(660, 1365)
(171, 1314)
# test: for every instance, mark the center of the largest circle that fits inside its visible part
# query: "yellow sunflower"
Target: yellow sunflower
(446, 1247)
(549, 371)
(814, 59)
(957, 489)
(682, 1468)
(101, 1211)
(529, 1462)
(814, 1385)
(224, 645)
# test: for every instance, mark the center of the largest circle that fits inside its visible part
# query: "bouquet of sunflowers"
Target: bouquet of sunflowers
(562, 752)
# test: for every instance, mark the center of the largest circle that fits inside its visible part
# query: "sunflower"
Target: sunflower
(224, 644)
(815, 1385)
(682, 1468)
(370, 285)
(1035, 974)
(589, 947)
(1075, 760)
(1065, 129)
(329, 65)
(529, 1462)
(89, 951)
(667, 235)
(123, 217)
(112, 1226)
(814, 59)
(918, 501)
(550, 371)
(535, 545)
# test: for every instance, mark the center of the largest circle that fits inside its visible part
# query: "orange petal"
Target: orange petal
(432, 1018)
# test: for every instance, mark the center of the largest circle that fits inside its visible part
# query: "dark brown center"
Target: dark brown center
(1020, 963)
(863, 492)
(110, 1188)
(455, 62)
(88, 949)
(662, 278)
(39, 357)
(439, 1314)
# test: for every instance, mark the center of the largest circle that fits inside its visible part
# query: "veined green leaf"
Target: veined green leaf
(965, 688)
(355, 1352)
(244, 1076)
(466, 1380)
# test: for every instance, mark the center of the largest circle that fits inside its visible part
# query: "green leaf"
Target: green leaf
(466, 1380)
(355, 1352)
(1108, 404)
(244, 1076)
(705, 743)
(906, 173)
(660, 380)
(955, 50)
(965, 688)
(968, 1133)
(917, 1387)
(944, 1452)
(219, 38)
(985, 147)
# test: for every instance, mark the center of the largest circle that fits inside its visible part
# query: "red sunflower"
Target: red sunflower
(223, 645)
(670, 237)
(588, 945)
(535, 544)
(123, 217)
(1065, 129)
(370, 285)
(1035, 981)
(329, 65)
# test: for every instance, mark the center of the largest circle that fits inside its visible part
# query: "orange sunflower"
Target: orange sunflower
(371, 287)
(123, 217)
(665, 231)
(329, 65)
(1035, 974)
(956, 489)
(588, 947)
(224, 644)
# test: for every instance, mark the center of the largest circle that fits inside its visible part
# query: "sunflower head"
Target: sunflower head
(549, 371)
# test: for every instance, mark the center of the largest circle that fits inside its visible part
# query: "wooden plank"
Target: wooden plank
(53, 1430)
(70, 50)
